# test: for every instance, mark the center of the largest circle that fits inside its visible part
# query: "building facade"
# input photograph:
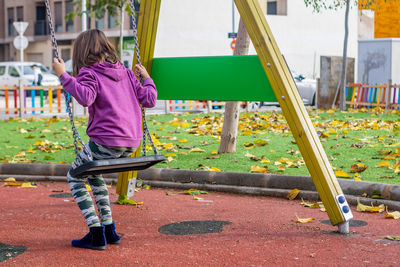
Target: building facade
(303, 36)
(190, 28)
(40, 48)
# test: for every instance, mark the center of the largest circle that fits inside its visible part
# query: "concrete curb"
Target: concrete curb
(232, 182)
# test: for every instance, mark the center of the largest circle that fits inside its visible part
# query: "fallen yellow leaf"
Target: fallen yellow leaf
(260, 142)
(183, 140)
(392, 215)
(28, 185)
(342, 174)
(13, 183)
(9, 179)
(396, 238)
(357, 177)
(383, 164)
(362, 207)
(168, 146)
(293, 194)
(304, 220)
(257, 169)
(20, 154)
(359, 167)
(197, 149)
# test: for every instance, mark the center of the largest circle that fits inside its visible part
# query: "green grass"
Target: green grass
(348, 138)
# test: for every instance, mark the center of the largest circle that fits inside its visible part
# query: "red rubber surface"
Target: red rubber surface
(262, 233)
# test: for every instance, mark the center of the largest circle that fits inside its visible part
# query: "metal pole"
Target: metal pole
(21, 80)
(84, 16)
(84, 28)
(233, 16)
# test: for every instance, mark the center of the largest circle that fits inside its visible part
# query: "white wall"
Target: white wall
(194, 28)
(200, 28)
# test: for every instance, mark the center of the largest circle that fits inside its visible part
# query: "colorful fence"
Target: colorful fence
(36, 100)
(185, 105)
(361, 95)
(197, 105)
(395, 97)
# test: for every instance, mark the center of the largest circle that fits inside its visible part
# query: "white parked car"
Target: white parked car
(10, 73)
(307, 88)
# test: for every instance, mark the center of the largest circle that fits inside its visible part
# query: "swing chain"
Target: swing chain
(75, 132)
(146, 131)
(76, 135)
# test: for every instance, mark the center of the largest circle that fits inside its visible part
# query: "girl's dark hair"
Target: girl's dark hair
(90, 47)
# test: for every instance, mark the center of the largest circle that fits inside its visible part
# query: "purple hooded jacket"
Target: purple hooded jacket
(113, 94)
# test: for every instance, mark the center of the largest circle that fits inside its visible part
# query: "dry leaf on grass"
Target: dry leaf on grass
(383, 164)
(196, 149)
(359, 167)
(342, 174)
(257, 169)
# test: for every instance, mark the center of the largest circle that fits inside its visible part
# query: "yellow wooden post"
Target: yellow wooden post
(295, 113)
(146, 35)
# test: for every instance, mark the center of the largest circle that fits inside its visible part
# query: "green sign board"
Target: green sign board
(224, 78)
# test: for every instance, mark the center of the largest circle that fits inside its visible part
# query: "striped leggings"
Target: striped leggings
(96, 182)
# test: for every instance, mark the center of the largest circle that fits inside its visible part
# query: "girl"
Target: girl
(113, 95)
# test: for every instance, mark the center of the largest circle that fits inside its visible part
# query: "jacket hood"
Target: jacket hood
(115, 72)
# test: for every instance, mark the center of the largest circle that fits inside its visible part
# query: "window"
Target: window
(272, 8)
(100, 23)
(277, 7)
(68, 9)
(2, 70)
(58, 16)
(112, 21)
(10, 14)
(13, 72)
(40, 23)
(66, 54)
(20, 13)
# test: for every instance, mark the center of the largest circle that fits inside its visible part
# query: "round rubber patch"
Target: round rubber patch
(352, 223)
(62, 195)
(9, 251)
(193, 227)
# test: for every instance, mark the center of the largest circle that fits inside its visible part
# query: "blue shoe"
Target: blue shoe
(95, 239)
(111, 236)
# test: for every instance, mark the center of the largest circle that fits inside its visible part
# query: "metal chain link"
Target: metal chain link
(146, 132)
(75, 133)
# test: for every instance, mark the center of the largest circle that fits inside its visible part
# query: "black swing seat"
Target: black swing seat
(116, 165)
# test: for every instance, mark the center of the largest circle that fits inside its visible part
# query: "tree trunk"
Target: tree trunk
(232, 108)
(342, 84)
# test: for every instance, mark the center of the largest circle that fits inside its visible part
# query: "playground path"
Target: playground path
(247, 231)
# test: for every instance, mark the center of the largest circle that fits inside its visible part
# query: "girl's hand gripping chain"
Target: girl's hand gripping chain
(141, 71)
